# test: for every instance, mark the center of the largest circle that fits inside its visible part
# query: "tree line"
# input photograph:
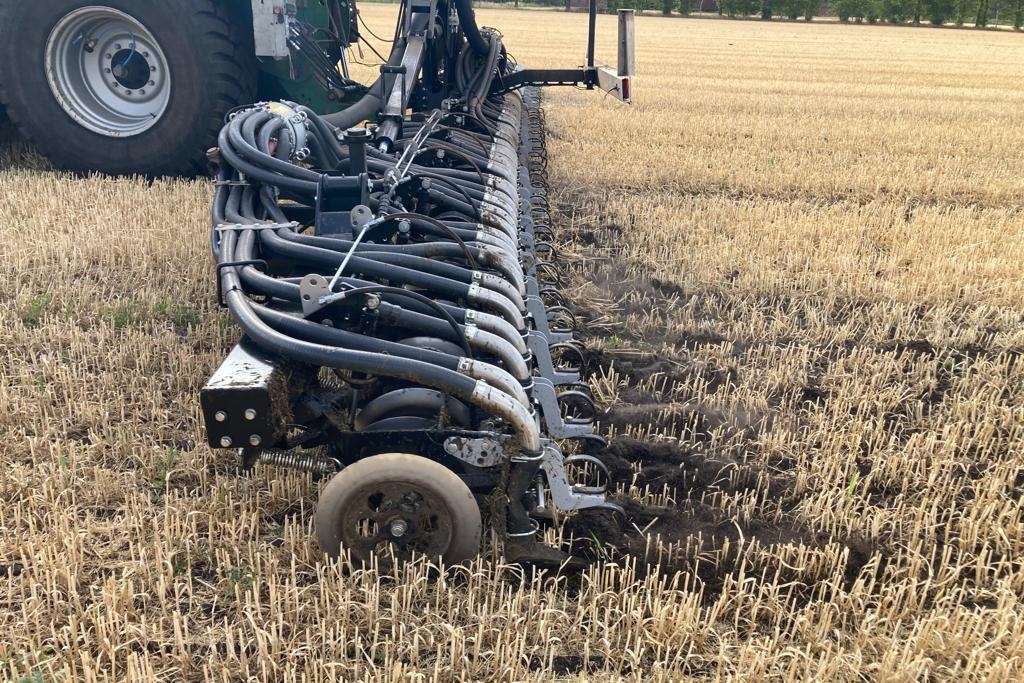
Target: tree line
(979, 13)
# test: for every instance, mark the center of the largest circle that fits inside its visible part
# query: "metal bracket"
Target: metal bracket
(311, 290)
(476, 452)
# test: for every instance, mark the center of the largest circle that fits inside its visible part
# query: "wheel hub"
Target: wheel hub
(130, 70)
(107, 71)
(398, 515)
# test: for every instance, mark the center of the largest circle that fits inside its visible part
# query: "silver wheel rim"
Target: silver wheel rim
(107, 71)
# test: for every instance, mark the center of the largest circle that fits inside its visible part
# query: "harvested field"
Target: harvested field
(797, 264)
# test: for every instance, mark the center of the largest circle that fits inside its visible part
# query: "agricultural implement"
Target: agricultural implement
(404, 332)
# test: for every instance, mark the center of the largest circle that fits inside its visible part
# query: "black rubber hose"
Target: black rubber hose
(378, 364)
(370, 105)
(487, 75)
(302, 187)
(220, 200)
(333, 336)
(327, 132)
(467, 19)
(419, 298)
(280, 244)
(429, 250)
(421, 323)
(412, 401)
(248, 150)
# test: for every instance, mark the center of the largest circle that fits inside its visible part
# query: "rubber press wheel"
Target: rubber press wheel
(399, 502)
(123, 86)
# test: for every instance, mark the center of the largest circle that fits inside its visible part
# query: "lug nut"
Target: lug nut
(398, 528)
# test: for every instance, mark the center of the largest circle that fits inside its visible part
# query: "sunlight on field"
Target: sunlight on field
(798, 261)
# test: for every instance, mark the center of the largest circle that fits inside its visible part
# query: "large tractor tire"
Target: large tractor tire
(122, 86)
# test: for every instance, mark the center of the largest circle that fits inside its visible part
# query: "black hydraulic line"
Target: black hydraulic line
(423, 324)
(467, 20)
(371, 104)
(321, 334)
(242, 146)
(327, 132)
(410, 401)
(426, 250)
(406, 215)
(416, 296)
(378, 364)
(433, 343)
(282, 244)
(302, 187)
(462, 154)
(426, 175)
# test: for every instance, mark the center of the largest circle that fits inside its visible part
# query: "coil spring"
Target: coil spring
(314, 462)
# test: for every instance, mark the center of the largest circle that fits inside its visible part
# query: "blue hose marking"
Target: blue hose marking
(130, 54)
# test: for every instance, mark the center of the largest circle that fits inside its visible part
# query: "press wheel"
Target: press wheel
(412, 504)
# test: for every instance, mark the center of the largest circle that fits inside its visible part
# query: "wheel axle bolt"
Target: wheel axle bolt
(220, 416)
(398, 528)
(225, 442)
(250, 414)
(451, 447)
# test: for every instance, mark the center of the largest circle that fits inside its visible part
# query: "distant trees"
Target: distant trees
(940, 11)
(937, 12)
(981, 18)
